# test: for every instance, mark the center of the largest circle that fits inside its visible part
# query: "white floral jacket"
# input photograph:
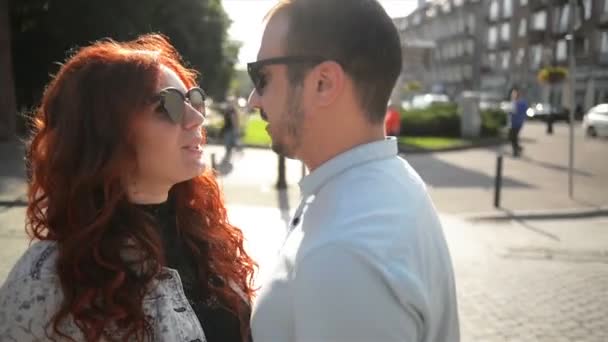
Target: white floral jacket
(32, 294)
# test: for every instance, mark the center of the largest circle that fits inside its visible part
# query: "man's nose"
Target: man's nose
(254, 100)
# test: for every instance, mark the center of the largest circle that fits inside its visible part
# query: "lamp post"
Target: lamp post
(572, 74)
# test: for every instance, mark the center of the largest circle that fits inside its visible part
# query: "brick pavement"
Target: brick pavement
(516, 280)
(514, 283)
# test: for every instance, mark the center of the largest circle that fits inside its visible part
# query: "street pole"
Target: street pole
(572, 99)
(281, 179)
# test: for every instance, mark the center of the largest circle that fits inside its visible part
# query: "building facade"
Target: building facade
(494, 45)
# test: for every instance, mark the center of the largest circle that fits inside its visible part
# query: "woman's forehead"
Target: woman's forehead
(168, 78)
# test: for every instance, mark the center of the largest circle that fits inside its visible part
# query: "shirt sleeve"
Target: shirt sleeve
(26, 308)
(340, 295)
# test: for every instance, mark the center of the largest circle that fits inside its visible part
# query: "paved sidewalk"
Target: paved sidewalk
(516, 281)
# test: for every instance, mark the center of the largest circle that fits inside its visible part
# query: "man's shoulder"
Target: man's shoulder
(382, 183)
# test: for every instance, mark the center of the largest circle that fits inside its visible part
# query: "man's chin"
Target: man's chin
(282, 150)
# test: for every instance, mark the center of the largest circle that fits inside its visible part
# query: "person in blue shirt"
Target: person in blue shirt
(517, 119)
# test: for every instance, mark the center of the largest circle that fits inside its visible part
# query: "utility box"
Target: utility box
(470, 115)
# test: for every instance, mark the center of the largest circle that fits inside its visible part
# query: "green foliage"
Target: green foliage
(492, 120)
(443, 120)
(255, 132)
(552, 75)
(433, 143)
(436, 120)
(241, 84)
(44, 30)
(412, 87)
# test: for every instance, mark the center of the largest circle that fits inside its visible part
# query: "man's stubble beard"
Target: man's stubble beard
(292, 123)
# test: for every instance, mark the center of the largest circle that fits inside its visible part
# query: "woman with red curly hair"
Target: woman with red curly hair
(133, 238)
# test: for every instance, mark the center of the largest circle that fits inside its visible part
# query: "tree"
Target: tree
(8, 109)
(241, 84)
(44, 30)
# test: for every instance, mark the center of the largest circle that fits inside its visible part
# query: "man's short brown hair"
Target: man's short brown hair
(358, 34)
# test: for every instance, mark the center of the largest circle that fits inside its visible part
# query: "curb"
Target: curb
(541, 214)
(486, 143)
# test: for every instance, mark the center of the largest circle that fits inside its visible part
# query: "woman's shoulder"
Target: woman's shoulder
(31, 294)
(37, 263)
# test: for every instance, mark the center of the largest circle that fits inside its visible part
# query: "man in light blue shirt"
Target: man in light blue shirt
(365, 258)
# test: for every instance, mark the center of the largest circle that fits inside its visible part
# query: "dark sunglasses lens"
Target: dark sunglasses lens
(257, 78)
(197, 99)
(174, 105)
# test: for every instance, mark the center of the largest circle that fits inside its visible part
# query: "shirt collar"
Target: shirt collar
(358, 155)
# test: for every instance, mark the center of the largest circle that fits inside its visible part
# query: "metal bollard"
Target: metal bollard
(281, 181)
(498, 181)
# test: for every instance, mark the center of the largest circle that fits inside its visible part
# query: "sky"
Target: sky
(247, 16)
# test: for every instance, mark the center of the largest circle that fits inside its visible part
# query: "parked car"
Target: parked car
(422, 101)
(545, 111)
(595, 121)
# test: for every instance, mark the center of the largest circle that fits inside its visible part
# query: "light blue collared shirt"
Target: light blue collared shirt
(365, 259)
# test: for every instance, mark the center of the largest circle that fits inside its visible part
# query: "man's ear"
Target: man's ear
(329, 85)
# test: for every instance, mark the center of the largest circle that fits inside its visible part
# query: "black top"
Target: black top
(219, 323)
(228, 112)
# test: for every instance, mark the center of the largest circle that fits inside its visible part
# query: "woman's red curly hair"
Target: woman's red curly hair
(80, 149)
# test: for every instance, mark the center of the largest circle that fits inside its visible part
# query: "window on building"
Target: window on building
(605, 6)
(558, 11)
(581, 46)
(470, 47)
(446, 7)
(458, 3)
(519, 57)
(604, 42)
(467, 71)
(588, 8)
(416, 19)
(507, 9)
(561, 50)
(523, 2)
(494, 8)
(523, 27)
(505, 59)
(461, 23)
(564, 20)
(537, 55)
(505, 32)
(492, 60)
(471, 22)
(539, 21)
(492, 36)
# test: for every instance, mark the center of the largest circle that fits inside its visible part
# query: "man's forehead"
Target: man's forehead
(275, 34)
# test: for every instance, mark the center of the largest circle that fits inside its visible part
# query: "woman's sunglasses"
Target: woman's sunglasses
(255, 69)
(173, 102)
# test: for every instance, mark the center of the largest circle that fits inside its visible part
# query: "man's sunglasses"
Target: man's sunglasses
(254, 69)
(173, 102)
